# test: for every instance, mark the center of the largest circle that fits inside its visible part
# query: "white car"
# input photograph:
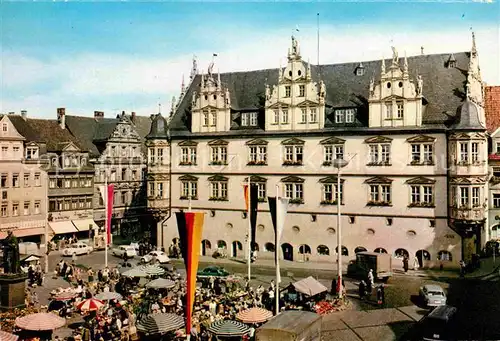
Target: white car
(156, 257)
(77, 249)
(122, 250)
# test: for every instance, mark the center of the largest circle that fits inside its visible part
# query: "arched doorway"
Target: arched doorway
(323, 250)
(255, 247)
(304, 249)
(380, 250)
(360, 249)
(269, 247)
(236, 248)
(401, 253)
(345, 252)
(421, 256)
(287, 251)
(221, 244)
(205, 247)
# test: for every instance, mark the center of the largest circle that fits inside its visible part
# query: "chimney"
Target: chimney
(421, 50)
(132, 116)
(61, 117)
(98, 115)
(24, 114)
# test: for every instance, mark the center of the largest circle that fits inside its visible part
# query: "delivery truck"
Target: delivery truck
(380, 263)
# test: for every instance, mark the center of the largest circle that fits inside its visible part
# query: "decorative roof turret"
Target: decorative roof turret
(159, 128)
(405, 66)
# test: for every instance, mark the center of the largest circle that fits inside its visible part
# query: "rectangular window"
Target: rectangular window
(124, 174)
(388, 110)
(289, 191)
(31, 153)
(328, 154)
(124, 151)
(244, 119)
(185, 189)
(3, 181)
(15, 209)
(261, 191)
(474, 151)
(339, 152)
(67, 183)
(26, 209)
(252, 155)
(427, 197)
(37, 207)
(415, 194)
(373, 153)
(380, 194)
(4, 127)
(374, 193)
(475, 197)
(303, 115)
(219, 190)
(219, 154)
(192, 155)
(15, 180)
(213, 113)
(5, 151)
(160, 157)
(262, 157)
(26, 182)
(294, 191)
(464, 196)
(299, 191)
(253, 119)
(151, 189)
(314, 116)
(52, 183)
(4, 210)
(496, 200)
(159, 191)
(464, 152)
(205, 118)
(386, 153)
(59, 183)
(38, 181)
(400, 107)
(289, 153)
(74, 204)
(288, 91)
(88, 202)
(498, 147)
(285, 116)
(328, 193)
(152, 156)
(386, 193)
(298, 154)
(215, 189)
(302, 90)
(349, 115)
(16, 151)
(75, 183)
(184, 155)
(194, 190)
(124, 198)
(428, 153)
(276, 117)
(415, 153)
(339, 116)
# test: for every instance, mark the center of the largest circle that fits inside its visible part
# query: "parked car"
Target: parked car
(156, 257)
(439, 324)
(213, 271)
(77, 249)
(135, 246)
(432, 295)
(122, 250)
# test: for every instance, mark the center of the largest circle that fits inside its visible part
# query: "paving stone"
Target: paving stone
(374, 317)
(340, 335)
(333, 322)
(414, 312)
(388, 332)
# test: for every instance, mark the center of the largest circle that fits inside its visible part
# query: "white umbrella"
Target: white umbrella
(108, 296)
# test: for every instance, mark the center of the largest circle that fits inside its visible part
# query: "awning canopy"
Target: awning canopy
(36, 231)
(61, 227)
(309, 286)
(84, 224)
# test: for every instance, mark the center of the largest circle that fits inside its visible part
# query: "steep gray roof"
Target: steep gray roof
(90, 132)
(467, 117)
(443, 87)
(159, 128)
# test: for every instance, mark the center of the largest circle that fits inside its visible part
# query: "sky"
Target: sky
(114, 56)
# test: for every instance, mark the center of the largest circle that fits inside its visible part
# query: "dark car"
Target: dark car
(213, 271)
(438, 325)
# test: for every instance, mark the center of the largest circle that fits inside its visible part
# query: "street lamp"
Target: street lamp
(339, 163)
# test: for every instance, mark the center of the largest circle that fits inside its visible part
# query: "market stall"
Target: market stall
(291, 325)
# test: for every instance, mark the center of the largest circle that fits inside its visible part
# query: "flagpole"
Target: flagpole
(249, 241)
(106, 223)
(276, 255)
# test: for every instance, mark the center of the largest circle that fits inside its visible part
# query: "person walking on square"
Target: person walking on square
(371, 281)
(405, 263)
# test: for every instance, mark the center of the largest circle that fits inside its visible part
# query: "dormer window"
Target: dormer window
(31, 153)
(288, 91)
(339, 116)
(4, 127)
(360, 71)
(248, 119)
(302, 90)
(244, 119)
(349, 115)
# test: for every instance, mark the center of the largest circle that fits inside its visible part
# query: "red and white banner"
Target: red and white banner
(107, 193)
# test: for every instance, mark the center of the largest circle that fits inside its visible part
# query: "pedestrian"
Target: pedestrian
(463, 265)
(405, 263)
(362, 289)
(381, 295)
(371, 281)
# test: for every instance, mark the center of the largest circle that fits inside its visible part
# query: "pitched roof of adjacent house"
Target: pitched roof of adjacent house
(443, 87)
(492, 107)
(47, 131)
(90, 131)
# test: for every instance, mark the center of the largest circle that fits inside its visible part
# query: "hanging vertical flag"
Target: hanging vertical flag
(107, 193)
(278, 208)
(252, 199)
(190, 226)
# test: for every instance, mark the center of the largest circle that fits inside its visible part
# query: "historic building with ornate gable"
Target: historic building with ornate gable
(412, 128)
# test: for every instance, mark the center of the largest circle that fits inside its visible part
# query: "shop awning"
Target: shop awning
(83, 224)
(35, 231)
(62, 227)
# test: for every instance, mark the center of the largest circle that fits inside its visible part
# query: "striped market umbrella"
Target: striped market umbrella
(254, 315)
(161, 283)
(65, 296)
(135, 272)
(90, 304)
(160, 323)
(152, 270)
(108, 296)
(40, 321)
(228, 328)
(4, 336)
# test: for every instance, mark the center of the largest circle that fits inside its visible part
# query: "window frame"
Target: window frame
(302, 90)
(380, 194)
(219, 190)
(294, 191)
(218, 155)
(291, 155)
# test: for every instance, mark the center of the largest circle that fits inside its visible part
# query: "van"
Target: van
(437, 325)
